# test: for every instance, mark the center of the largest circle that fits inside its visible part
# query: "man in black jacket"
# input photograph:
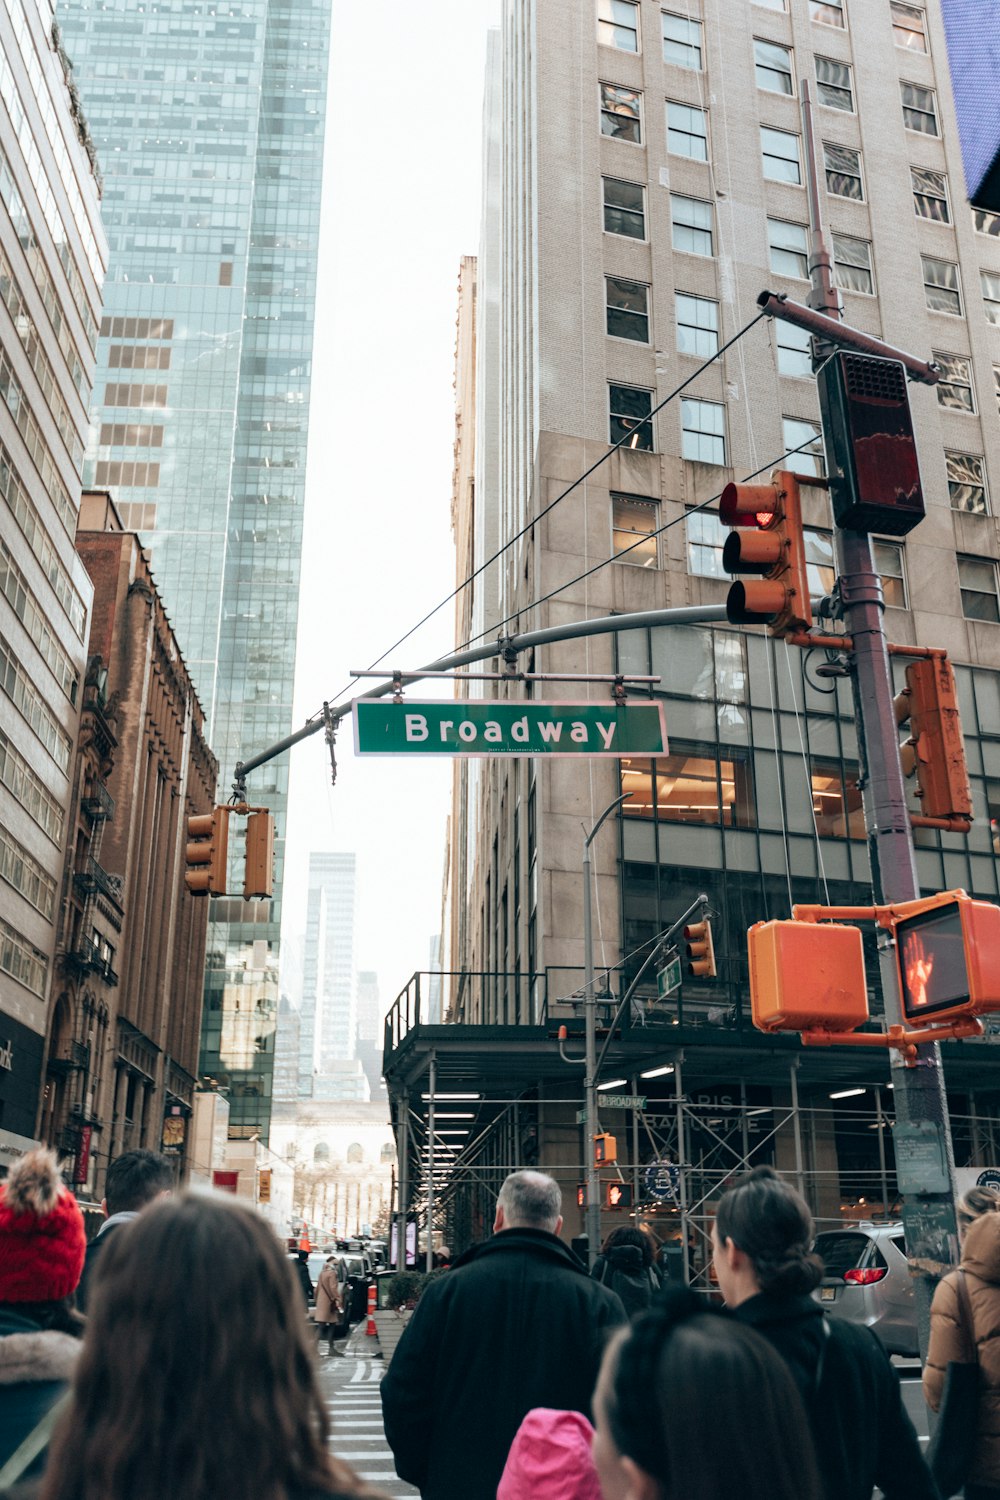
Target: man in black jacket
(862, 1433)
(516, 1323)
(134, 1181)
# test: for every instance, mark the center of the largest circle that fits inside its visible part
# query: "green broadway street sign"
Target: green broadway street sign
(475, 727)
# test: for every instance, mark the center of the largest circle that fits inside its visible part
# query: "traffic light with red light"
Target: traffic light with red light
(805, 975)
(605, 1150)
(935, 751)
(949, 958)
(581, 1195)
(767, 541)
(618, 1195)
(206, 852)
(258, 877)
(700, 949)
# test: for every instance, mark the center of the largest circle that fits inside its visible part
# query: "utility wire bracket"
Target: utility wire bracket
(330, 726)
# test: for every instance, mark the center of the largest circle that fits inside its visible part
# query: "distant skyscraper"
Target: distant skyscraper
(369, 1013)
(433, 1016)
(209, 124)
(327, 1013)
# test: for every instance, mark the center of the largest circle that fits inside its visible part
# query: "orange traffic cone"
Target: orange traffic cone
(370, 1330)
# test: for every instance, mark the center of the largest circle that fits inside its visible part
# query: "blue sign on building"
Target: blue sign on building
(973, 32)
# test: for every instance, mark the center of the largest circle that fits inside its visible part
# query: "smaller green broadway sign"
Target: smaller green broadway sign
(475, 727)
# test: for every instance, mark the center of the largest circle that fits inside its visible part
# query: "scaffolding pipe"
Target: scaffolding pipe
(432, 1089)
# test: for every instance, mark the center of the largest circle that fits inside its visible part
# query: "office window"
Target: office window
(930, 194)
(628, 405)
(986, 223)
(908, 26)
(773, 67)
(690, 225)
(852, 264)
(977, 578)
(627, 309)
(889, 562)
(633, 529)
(833, 84)
(780, 150)
(990, 282)
(703, 431)
(954, 389)
(996, 385)
(821, 570)
(706, 537)
(941, 286)
(788, 246)
(772, 4)
(618, 24)
(842, 165)
(697, 325)
(794, 349)
(967, 482)
(624, 208)
(918, 108)
(687, 131)
(621, 113)
(803, 443)
(691, 786)
(827, 13)
(682, 41)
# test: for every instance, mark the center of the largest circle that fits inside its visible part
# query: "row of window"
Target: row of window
(24, 325)
(683, 45)
(21, 960)
(30, 791)
(138, 475)
(17, 686)
(26, 875)
(116, 394)
(14, 587)
(36, 535)
(137, 328)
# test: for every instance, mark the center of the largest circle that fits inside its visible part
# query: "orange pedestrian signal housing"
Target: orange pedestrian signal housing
(206, 852)
(618, 1195)
(605, 1150)
(935, 751)
(805, 975)
(258, 878)
(767, 541)
(949, 958)
(581, 1195)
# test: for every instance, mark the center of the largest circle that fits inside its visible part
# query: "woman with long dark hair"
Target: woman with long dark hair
(198, 1374)
(689, 1404)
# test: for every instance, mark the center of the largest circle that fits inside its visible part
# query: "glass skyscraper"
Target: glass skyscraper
(208, 120)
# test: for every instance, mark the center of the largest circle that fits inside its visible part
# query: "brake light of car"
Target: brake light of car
(867, 1277)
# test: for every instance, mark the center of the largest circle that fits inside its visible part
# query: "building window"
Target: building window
(627, 309)
(794, 349)
(977, 578)
(697, 325)
(837, 806)
(941, 286)
(618, 24)
(780, 150)
(687, 131)
(624, 208)
(852, 264)
(908, 27)
(773, 67)
(967, 482)
(706, 537)
(821, 570)
(690, 786)
(621, 115)
(833, 84)
(827, 13)
(918, 108)
(889, 562)
(986, 223)
(690, 225)
(954, 389)
(990, 283)
(930, 194)
(803, 444)
(703, 431)
(633, 529)
(996, 385)
(788, 245)
(682, 41)
(772, 5)
(628, 406)
(843, 171)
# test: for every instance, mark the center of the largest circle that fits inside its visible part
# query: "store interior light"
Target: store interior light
(658, 1072)
(848, 1093)
(614, 1083)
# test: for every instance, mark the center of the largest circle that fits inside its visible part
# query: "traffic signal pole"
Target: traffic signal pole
(919, 1091)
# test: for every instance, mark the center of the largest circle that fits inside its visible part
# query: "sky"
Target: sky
(401, 203)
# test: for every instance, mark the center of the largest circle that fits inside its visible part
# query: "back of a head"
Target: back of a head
(135, 1179)
(194, 1309)
(685, 1374)
(977, 1201)
(530, 1200)
(770, 1222)
(550, 1457)
(619, 1239)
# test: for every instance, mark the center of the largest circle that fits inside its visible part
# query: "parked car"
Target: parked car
(867, 1280)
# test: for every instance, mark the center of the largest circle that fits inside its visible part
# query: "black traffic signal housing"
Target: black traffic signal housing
(605, 1150)
(767, 540)
(875, 477)
(700, 947)
(581, 1195)
(618, 1195)
(206, 852)
(935, 751)
(258, 876)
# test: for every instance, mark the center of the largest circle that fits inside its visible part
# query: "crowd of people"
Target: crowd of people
(520, 1375)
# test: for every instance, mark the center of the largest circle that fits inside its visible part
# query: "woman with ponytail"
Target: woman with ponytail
(761, 1243)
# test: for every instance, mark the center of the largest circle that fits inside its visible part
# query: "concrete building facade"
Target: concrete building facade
(53, 254)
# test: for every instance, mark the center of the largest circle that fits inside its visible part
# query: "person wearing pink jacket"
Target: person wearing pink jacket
(550, 1459)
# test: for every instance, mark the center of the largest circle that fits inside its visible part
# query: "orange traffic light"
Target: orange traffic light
(935, 750)
(206, 852)
(700, 949)
(618, 1195)
(769, 543)
(258, 877)
(949, 958)
(805, 975)
(605, 1150)
(581, 1195)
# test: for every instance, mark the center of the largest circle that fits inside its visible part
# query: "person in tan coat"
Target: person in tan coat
(980, 1266)
(329, 1309)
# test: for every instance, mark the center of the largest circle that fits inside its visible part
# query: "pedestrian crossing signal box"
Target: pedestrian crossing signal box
(605, 1150)
(949, 958)
(806, 975)
(581, 1195)
(618, 1195)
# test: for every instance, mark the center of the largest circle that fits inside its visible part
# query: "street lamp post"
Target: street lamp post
(593, 1208)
